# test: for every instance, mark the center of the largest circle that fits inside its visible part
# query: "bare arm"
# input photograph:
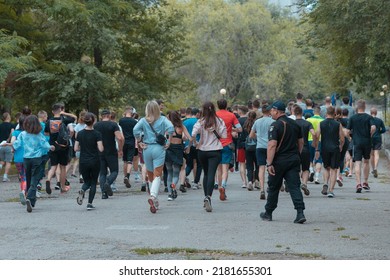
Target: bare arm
(76, 146)
(121, 140)
(342, 137)
(100, 146)
(300, 145)
(252, 134)
(271, 150)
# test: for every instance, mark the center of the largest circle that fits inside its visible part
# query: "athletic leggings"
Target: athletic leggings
(22, 175)
(209, 161)
(173, 171)
(90, 173)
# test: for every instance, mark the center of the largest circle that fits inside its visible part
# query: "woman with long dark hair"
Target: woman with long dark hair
(175, 153)
(252, 170)
(89, 143)
(211, 129)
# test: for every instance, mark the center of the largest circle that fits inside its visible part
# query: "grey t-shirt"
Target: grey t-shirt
(261, 127)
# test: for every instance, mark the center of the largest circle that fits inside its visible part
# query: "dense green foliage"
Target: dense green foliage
(112, 53)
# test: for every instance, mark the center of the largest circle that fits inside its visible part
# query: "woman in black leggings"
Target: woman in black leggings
(211, 129)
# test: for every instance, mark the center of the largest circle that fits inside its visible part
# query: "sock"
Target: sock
(317, 175)
(128, 175)
(311, 170)
(155, 187)
(223, 184)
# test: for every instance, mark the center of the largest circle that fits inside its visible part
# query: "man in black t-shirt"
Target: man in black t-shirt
(332, 141)
(109, 157)
(362, 127)
(376, 141)
(307, 127)
(285, 143)
(127, 124)
(60, 156)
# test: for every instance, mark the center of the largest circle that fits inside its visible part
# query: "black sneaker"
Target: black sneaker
(104, 196)
(107, 189)
(39, 186)
(266, 216)
(215, 186)
(126, 181)
(174, 193)
(358, 188)
(80, 197)
(300, 219)
(81, 181)
(305, 189)
(165, 189)
(58, 186)
(29, 207)
(324, 189)
(182, 188)
(48, 189)
(262, 195)
(67, 182)
(143, 188)
(90, 206)
(311, 177)
(375, 173)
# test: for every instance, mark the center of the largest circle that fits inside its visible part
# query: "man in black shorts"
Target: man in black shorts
(109, 157)
(60, 156)
(362, 127)
(332, 141)
(307, 128)
(127, 124)
(376, 141)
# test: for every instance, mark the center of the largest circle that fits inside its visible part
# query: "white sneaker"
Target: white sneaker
(5, 179)
(195, 186)
(38, 194)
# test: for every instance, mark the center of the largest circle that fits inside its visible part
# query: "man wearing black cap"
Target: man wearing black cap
(109, 157)
(285, 142)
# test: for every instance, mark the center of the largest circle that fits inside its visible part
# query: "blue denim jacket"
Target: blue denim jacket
(35, 145)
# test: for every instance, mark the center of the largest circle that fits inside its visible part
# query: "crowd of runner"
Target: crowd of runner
(293, 143)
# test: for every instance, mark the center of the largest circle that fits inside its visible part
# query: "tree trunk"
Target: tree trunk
(93, 103)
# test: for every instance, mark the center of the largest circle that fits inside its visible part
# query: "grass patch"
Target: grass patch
(362, 198)
(354, 238)
(151, 251)
(316, 229)
(346, 236)
(278, 246)
(340, 228)
(13, 200)
(310, 256)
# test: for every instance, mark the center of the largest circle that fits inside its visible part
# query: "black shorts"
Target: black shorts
(376, 145)
(60, 157)
(261, 156)
(129, 152)
(305, 160)
(331, 159)
(361, 151)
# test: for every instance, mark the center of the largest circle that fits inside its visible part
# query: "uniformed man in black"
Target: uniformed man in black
(285, 142)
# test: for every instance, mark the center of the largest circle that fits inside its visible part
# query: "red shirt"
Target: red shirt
(230, 120)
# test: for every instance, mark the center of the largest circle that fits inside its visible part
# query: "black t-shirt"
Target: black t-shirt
(108, 129)
(53, 126)
(88, 139)
(127, 125)
(305, 127)
(5, 131)
(360, 125)
(380, 128)
(330, 138)
(242, 135)
(288, 150)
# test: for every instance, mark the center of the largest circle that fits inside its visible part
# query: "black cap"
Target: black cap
(105, 112)
(278, 105)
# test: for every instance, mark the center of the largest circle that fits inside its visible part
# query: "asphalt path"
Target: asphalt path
(348, 226)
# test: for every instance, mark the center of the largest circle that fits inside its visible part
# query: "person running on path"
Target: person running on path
(153, 127)
(89, 143)
(376, 141)
(332, 141)
(109, 157)
(307, 129)
(227, 151)
(211, 129)
(127, 123)
(60, 156)
(6, 129)
(260, 131)
(362, 126)
(33, 143)
(285, 143)
(316, 163)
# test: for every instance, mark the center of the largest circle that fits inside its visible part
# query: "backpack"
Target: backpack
(250, 144)
(63, 135)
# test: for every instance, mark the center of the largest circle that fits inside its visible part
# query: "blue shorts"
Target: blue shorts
(261, 156)
(154, 156)
(313, 153)
(227, 155)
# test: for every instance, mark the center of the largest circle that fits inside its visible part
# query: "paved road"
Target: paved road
(349, 226)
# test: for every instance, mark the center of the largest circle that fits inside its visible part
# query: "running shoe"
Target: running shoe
(262, 195)
(366, 186)
(48, 189)
(330, 195)
(80, 197)
(174, 191)
(375, 173)
(311, 177)
(107, 189)
(22, 198)
(305, 189)
(90, 206)
(29, 207)
(126, 181)
(324, 189)
(358, 188)
(222, 195)
(207, 204)
(266, 216)
(58, 186)
(340, 181)
(182, 188)
(153, 208)
(250, 186)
